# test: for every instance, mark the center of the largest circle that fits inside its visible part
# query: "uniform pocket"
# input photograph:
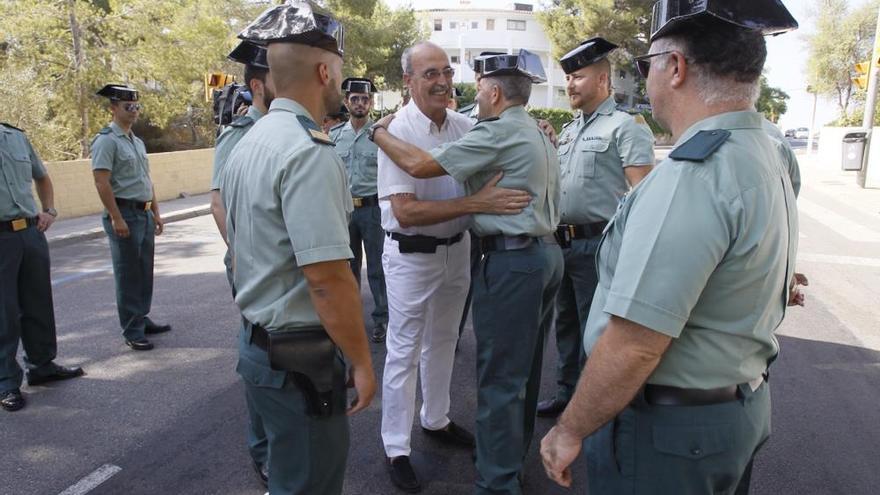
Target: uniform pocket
(692, 442)
(589, 150)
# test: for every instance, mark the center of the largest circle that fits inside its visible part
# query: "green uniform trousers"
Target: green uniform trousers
(133, 269)
(26, 309)
(365, 229)
(685, 450)
(513, 308)
(579, 281)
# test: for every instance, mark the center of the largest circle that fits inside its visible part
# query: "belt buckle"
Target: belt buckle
(148, 205)
(19, 224)
(358, 202)
(571, 231)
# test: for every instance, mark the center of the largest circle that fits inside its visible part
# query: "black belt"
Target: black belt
(422, 243)
(134, 205)
(17, 224)
(664, 395)
(259, 337)
(501, 242)
(365, 201)
(566, 233)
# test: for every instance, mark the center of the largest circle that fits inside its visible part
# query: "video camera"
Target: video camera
(228, 101)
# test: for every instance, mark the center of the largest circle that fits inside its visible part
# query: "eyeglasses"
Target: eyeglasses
(432, 74)
(132, 107)
(359, 99)
(643, 64)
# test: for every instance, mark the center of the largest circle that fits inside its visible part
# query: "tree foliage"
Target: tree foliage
(843, 37)
(623, 22)
(54, 55)
(772, 102)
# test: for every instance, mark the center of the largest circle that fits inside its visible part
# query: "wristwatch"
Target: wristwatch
(51, 211)
(372, 130)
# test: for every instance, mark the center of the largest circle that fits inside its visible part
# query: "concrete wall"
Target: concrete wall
(174, 173)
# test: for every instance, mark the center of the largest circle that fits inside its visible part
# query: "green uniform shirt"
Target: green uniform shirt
(19, 165)
(787, 153)
(593, 151)
(228, 139)
(702, 252)
(287, 204)
(360, 157)
(125, 156)
(513, 144)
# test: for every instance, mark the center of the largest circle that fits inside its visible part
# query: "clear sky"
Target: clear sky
(786, 57)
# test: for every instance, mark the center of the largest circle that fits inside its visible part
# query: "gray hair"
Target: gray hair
(711, 88)
(516, 89)
(406, 58)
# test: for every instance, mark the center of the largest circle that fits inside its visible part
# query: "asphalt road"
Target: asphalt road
(172, 420)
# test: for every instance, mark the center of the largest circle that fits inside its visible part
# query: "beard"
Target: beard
(268, 96)
(359, 114)
(332, 96)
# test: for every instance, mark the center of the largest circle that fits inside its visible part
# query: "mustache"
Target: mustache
(439, 89)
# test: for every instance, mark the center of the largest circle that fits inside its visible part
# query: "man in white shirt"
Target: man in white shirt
(427, 263)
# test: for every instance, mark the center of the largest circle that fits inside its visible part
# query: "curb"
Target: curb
(94, 233)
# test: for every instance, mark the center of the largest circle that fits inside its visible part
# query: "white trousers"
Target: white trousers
(426, 294)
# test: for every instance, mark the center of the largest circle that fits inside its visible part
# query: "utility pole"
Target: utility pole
(870, 103)
(812, 121)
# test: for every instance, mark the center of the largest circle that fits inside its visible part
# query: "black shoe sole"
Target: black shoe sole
(48, 379)
(155, 331)
(138, 347)
(18, 406)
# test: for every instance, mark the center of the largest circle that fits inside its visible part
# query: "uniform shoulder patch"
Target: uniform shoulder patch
(314, 131)
(4, 124)
(106, 130)
(338, 126)
(242, 121)
(640, 119)
(701, 146)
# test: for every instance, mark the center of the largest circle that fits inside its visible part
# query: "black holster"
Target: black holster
(312, 361)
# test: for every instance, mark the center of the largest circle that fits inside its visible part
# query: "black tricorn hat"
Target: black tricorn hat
(478, 60)
(525, 64)
(587, 53)
(358, 85)
(249, 54)
(297, 21)
(770, 17)
(118, 92)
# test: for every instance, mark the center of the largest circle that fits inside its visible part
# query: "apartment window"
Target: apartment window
(560, 93)
(490, 24)
(453, 25)
(454, 59)
(475, 25)
(513, 25)
(438, 24)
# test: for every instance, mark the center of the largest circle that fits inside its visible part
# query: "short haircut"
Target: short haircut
(252, 72)
(515, 88)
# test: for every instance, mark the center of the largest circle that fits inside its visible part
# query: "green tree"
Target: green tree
(772, 102)
(624, 22)
(843, 37)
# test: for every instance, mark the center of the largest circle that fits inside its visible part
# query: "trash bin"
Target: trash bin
(853, 150)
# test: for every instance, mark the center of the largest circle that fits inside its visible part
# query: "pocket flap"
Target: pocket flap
(692, 442)
(595, 145)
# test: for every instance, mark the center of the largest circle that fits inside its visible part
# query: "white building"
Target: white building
(465, 28)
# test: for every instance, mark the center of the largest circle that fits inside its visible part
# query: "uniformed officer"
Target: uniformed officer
(360, 157)
(26, 310)
(694, 274)
(256, 77)
(602, 152)
(522, 264)
(287, 203)
(131, 214)
(334, 118)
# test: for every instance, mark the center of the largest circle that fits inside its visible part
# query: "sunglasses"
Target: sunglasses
(359, 99)
(643, 62)
(132, 107)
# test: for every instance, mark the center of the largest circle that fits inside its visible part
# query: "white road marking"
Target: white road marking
(76, 276)
(853, 231)
(92, 481)
(839, 260)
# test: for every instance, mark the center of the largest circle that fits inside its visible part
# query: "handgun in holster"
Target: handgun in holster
(312, 360)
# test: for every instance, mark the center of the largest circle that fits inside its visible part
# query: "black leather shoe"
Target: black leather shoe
(152, 329)
(551, 408)
(452, 435)
(12, 400)
(402, 474)
(53, 373)
(379, 333)
(140, 344)
(262, 469)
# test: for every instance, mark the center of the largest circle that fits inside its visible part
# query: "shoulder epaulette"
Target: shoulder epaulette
(106, 130)
(490, 119)
(314, 131)
(639, 118)
(700, 146)
(338, 126)
(242, 121)
(4, 124)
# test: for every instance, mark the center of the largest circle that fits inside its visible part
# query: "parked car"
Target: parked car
(790, 133)
(802, 133)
